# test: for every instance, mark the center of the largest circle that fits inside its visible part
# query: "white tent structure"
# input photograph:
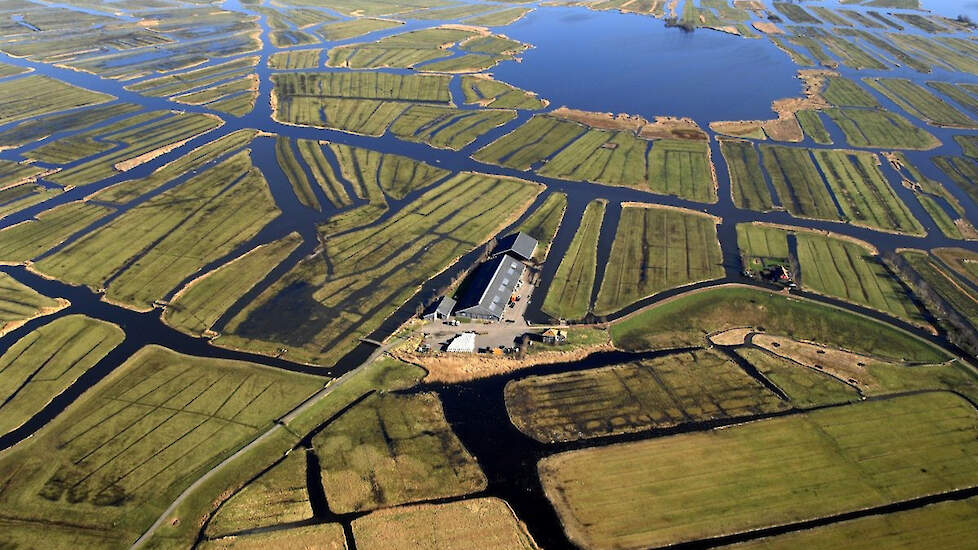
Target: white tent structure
(463, 343)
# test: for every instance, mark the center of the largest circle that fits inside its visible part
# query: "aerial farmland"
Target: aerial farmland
(503, 275)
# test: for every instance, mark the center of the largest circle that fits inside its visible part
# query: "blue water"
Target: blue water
(607, 61)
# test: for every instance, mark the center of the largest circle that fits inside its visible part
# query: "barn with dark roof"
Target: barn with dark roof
(519, 244)
(489, 289)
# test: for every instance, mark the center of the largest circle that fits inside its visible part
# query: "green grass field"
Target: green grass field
(196, 308)
(655, 393)
(747, 185)
(498, 95)
(812, 125)
(279, 496)
(393, 449)
(447, 127)
(881, 129)
(376, 269)
(35, 95)
(956, 292)
(771, 472)
(949, 525)
(373, 171)
(656, 249)
(486, 523)
(805, 387)
(294, 172)
(686, 321)
(140, 144)
(543, 223)
(762, 246)
(149, 250)
(849, 271)
(358, 102)
(344, 30)
(919, 102)
(863, 193)
(12, 173)
(296, 59)
(220, 148)
(46, 361)
(569, 294)
(499, 18)
(962, 171)
(403, 50)
(322, 536)
(322, 172)
(20, 303)
(182, 82)
(17, 198)
(29, 239)
(962, 261)
(117, 457)
(534, 141)
(798, 183)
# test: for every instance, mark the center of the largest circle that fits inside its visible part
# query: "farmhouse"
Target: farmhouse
(490, 288)
(519, 244)
(554, 336)
(441, 309)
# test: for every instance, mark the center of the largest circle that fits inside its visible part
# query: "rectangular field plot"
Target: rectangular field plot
(863, 193)
(798, 182)
(19, 197)
(762, 246)
(850, 271)
(447, 127)
(299, 59)
(770, 472)
(656, 249)
(919, 102)
(148, 250)
(403, 50)
(881, 129)
(656, 393)
(44, 363)
(35, 95)
(574, 151)
(375, 269)
(393, 449)
(344, 30)
(123, 452)
(569, 294)
(946, 525)
(485, 523)
(357, 102)
(747, 185)
(322, 536)
(278, 496)
(543, 223)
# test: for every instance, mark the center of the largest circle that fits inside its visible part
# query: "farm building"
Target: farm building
(490, 288)
(519, 244)
(441, 309)
(554, 336)
(463, 343)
